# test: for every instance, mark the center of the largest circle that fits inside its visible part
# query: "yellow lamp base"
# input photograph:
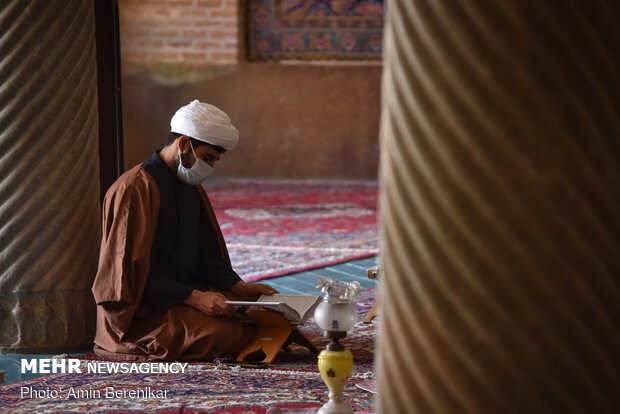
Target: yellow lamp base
(335, 368)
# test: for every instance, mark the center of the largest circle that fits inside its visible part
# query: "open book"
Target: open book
(297, 309)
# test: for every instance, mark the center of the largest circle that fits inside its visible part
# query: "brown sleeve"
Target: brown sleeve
(130, 212)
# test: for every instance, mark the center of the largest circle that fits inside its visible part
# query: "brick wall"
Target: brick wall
(159, 34)
(174, 51)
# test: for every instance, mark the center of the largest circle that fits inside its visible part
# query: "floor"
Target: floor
(305, 282)
(296, 283)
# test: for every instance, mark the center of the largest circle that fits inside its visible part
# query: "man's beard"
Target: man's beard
(185, 159)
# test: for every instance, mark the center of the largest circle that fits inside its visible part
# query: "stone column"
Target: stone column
(500, 208)
(49, 189)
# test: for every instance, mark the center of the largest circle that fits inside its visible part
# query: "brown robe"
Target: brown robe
(127, 330)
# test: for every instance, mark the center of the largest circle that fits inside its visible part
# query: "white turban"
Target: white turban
(205, 122)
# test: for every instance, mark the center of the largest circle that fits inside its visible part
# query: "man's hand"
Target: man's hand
(211, 303)
(252, 291)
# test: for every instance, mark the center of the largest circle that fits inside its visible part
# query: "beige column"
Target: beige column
(49, 189)
(500, 208)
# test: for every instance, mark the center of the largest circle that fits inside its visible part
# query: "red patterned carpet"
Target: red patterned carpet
(292, 384)
(276, 227)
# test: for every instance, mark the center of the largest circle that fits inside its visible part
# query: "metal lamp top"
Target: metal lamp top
(337, 291)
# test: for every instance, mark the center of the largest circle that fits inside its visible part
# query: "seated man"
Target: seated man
(164, 274)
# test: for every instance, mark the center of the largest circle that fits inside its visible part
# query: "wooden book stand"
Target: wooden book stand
(372, 273)
(272, 334)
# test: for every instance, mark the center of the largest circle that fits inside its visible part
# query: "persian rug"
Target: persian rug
(291, 384)
(276, 227)
(315, 29)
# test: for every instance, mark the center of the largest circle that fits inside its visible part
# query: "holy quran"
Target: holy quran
(297, 309)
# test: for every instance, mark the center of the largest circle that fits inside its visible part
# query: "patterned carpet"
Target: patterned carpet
(315, 29)
(292, 384)
(276, 227)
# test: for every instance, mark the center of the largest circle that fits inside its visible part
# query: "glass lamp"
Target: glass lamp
(335, 315)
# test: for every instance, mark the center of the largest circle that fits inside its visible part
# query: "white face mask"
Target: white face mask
(197, 173)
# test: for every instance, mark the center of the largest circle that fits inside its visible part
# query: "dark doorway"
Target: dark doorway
(111, 158)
